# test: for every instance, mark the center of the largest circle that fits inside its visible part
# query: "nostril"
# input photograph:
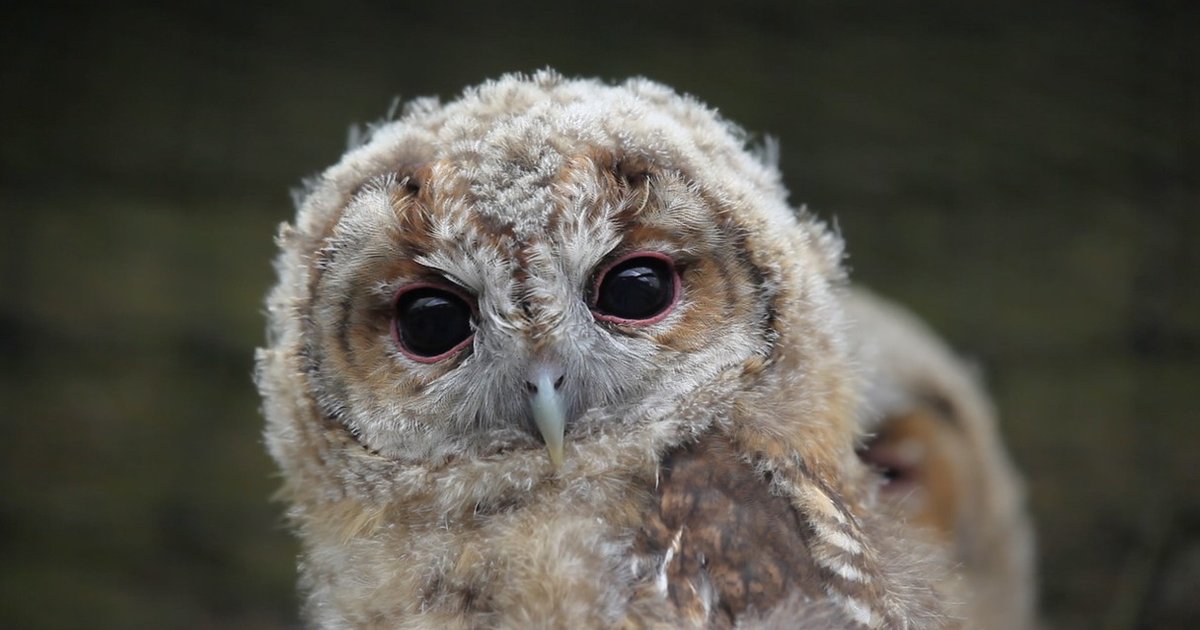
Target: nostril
(545, 378)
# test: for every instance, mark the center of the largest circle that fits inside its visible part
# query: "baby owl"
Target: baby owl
(559, 354)
(932, 431)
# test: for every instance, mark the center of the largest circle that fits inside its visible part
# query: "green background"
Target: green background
(1026, 176)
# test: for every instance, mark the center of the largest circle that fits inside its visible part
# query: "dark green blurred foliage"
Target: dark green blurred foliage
(1025, 177)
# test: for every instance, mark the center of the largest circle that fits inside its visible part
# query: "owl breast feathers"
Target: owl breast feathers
(559, 354)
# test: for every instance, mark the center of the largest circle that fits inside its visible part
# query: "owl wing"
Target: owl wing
(731, 550)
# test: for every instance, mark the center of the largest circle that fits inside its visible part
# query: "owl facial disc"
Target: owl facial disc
(544, 387)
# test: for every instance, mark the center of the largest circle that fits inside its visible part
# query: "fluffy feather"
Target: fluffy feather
(420, 495)
(928, 418)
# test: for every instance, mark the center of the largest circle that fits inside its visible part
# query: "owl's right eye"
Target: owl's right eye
(431, 323)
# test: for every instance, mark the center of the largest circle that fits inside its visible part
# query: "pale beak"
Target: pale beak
(549, 411)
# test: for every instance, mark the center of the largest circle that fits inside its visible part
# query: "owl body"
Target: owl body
(559, 354)
(930, 422)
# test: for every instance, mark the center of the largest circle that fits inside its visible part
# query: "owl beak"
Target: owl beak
(549, 412)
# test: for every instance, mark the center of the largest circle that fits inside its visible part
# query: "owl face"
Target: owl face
(473, 304)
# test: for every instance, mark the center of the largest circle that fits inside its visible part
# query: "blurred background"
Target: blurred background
(1024, 175)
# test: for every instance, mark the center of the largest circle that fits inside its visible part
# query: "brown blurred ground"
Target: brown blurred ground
(1028, 179)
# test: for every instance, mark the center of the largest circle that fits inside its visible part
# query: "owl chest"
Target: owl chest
(561, 556)
(703, 544)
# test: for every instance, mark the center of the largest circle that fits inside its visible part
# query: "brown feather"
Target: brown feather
(739, 547)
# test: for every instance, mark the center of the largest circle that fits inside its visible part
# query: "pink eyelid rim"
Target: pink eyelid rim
(675, 295)
(396, 330)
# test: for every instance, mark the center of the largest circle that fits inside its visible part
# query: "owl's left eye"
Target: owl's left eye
(638, 289)
(431, 323)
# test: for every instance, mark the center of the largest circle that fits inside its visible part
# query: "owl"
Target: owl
(559, 354)
(932, 432)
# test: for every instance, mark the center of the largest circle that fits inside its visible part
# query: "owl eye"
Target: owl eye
(638, 289)
(431, 323)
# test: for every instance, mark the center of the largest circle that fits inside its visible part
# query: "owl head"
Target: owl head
(541, 265)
